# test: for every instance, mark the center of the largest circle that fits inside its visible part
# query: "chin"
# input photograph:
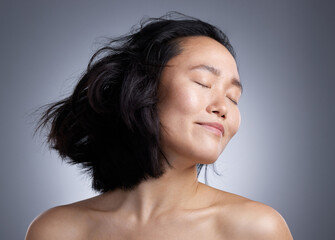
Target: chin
(208, 159)
(209, 153)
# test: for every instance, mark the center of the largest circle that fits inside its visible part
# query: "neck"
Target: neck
(176, 189)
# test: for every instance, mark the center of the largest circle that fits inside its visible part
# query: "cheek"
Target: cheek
(235, 121)
(234, 124)
(180, 101)
(177, 113)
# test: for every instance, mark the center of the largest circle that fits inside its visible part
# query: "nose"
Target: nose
(219, 108)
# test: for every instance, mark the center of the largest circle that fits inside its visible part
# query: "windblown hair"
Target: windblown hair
(109, 125)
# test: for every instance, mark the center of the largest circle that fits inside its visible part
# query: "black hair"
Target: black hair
(109, 124)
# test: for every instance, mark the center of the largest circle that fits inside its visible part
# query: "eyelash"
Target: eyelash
(204, 86)
(233, 101)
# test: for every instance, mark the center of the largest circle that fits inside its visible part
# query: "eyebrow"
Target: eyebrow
(217, 73)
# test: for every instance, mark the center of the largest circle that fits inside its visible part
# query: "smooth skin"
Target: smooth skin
(196, 86)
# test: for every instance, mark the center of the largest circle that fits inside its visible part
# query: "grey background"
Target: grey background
(283, 154)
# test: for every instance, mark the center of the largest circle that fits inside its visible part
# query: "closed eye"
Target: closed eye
(202, 85)
(233, 101)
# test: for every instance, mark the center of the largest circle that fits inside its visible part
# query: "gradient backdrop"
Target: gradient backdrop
(283, 154)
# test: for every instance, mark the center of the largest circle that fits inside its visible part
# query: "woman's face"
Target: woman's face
(196, 87)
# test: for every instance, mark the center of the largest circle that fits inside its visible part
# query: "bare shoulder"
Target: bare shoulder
(242, 218)
(61, 222)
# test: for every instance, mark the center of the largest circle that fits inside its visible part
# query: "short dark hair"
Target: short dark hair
(109, 125)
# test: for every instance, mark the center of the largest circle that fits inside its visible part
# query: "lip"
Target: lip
(212, 125)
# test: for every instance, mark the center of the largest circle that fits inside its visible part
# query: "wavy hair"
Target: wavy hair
(109, 124)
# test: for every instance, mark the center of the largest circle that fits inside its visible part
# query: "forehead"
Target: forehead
(202, 50)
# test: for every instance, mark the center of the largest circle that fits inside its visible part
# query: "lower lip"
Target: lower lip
(212, 129)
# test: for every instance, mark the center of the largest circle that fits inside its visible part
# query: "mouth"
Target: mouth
(215, 128)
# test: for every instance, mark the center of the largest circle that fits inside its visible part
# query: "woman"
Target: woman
(156, 106)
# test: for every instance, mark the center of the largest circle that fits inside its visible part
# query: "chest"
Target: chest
(175, 229)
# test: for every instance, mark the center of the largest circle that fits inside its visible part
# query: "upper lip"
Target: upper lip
(213, 124)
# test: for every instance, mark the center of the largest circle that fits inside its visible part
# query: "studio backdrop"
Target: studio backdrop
(283, 153)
